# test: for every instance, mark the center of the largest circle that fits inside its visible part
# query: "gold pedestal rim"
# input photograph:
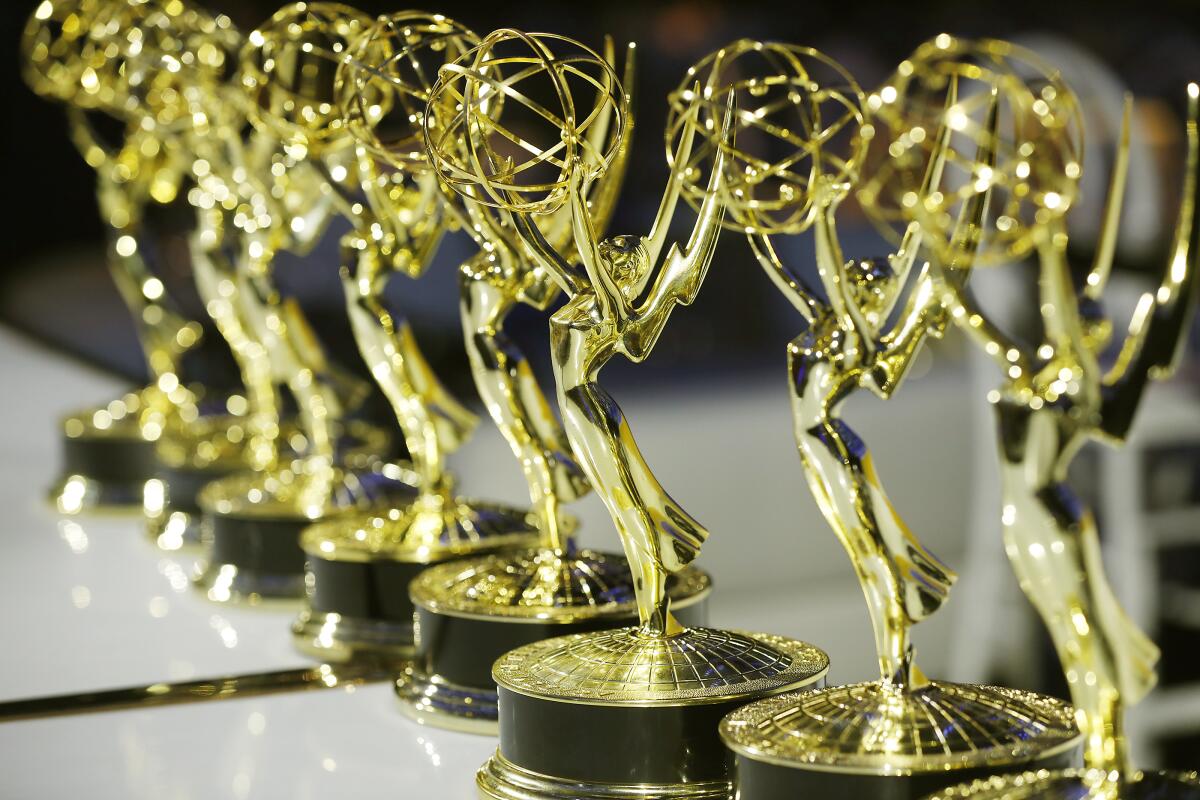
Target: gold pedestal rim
(1067, 784)
(621, 667)
(174, 530)
(872, 728)
(213, 442)
(75, 494)
(329, 636)
(414, 534)
(458, 708)
(81, 424)
(226, 584)
(500, 779)
(495, 587)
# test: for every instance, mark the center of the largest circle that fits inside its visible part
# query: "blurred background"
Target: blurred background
(710, 408)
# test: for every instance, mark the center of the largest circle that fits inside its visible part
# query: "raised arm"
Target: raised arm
(609, 299)
(1160, 324)
(923, 313)
(682, 272)
(568, 276)
(1097, 279)
(800, 295)
(831, 264)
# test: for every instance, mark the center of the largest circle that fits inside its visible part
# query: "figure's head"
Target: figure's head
(873, 285)
(627, 260)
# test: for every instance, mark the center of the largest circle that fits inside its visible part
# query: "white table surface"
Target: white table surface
(90, 603)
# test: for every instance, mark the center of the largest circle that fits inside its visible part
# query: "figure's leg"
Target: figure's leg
(658, 536)
(261, 309)
(847, 490)
(432, 422)
(516, 403)
(1055, 553)
(164, 335)
(217, 286)
(829, 477)
(925, 580)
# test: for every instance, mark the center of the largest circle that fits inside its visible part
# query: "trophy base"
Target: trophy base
(471, 612)
(205, 451)
(172, 508)
(500, 779)
(873, 740)
(332, 638)
(1078, 784)
(434, 701)
(360, 567)
(106, 461)
(252, 527)
(619, 711)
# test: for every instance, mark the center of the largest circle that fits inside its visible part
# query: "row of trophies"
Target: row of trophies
(595, 667)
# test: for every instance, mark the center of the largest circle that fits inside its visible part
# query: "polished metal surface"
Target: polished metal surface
(422, 532)
(873, 728)
(500, 779)
(433, 701)
(624, 667)
(1079, 785)
(544, 585)
(1059, 395)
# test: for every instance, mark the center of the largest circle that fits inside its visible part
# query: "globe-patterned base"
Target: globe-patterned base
(545, 585)
(1078, 785)
(880, 729)
(424, 530)
(617, 713)
(472, 611)
(624, 667)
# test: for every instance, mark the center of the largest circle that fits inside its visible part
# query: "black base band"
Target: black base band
(110, 459)
(758, 780)
(618, 744)
(260, 555)
(375, 589)
(183, 485)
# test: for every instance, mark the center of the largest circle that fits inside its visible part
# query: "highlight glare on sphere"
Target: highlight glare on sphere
(384, 83)
(508, 120)
(798, 116)
(948, 84)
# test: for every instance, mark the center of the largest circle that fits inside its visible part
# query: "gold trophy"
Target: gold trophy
(626, 712)
(1056, 396)
(359, 567)
(803, 131)
(244, 438)
(109, 450)
(471, 612)
(281, 199)
(184, 53)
